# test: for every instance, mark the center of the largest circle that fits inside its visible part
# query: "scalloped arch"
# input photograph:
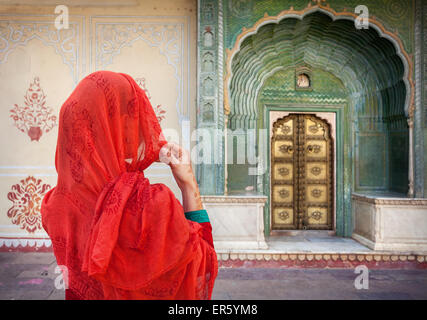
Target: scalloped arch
(371, 63)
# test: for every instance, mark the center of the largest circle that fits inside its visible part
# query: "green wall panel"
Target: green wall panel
(371, 166)
(399, 149)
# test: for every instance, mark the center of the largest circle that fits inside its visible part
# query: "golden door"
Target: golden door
(301, 173)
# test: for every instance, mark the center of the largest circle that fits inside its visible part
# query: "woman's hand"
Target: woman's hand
(180, 163)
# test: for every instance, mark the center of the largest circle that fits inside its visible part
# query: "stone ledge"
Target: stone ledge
(340, 261)
(235, 199)
(389, 200)
(322, 256)
(25, 245)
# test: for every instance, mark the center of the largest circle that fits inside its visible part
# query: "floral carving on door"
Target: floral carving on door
(27, 198)
(34, 118)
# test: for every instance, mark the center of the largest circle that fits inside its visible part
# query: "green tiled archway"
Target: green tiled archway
(368, 64)
(359, 72)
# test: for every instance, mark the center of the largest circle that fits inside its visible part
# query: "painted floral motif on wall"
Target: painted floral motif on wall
(34, 118)
(158, 110)
(27, 197)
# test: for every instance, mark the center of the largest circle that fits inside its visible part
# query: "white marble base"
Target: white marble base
(397, 225)
(237, 221)
(390, 224)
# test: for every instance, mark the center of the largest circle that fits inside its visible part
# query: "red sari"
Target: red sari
(118, 236)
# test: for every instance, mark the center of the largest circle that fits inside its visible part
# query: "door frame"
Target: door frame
(342, 188)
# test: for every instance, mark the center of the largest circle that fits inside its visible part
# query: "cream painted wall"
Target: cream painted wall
(153, 41)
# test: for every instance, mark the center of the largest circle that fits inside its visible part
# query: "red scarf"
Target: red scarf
(118, 236)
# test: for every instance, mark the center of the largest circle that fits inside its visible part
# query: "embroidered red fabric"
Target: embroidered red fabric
(118, 236)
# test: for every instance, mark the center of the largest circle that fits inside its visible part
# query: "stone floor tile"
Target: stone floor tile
(45, 258)
(368, 295)
(56, 295)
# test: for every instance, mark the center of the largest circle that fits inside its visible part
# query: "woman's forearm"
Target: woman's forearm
(191, 200)
(180, 164)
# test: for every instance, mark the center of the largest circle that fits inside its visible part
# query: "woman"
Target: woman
(118, 236)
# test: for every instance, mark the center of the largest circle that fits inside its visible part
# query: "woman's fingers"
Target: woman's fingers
(165, 154)
(172, 153)
(180, 155)
(179, 161)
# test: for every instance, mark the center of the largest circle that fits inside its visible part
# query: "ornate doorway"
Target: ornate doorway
(301, 173)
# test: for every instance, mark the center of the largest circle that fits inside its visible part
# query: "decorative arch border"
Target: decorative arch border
(44, 31)
(326, 9)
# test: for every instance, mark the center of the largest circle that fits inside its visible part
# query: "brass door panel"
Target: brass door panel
(283, 216)
(283, 193)
(316, 170)
(316, 193)
(283, 171)
(302, 173)
(284, 212)
(283, 149)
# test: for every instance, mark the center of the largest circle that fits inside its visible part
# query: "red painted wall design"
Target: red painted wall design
(160, 112)
(34, 118)
(45, 64)
(27, 197)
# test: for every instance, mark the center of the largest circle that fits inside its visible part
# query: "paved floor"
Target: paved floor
(32, 276)
(314, 241)
(308, 241)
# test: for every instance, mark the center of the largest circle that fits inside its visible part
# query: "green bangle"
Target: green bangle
(199, 216)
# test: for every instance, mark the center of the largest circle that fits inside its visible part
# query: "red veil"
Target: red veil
(118, 236)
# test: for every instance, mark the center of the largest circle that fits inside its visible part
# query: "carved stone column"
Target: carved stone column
(411, 192)
(210, 110)
(420, 59)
